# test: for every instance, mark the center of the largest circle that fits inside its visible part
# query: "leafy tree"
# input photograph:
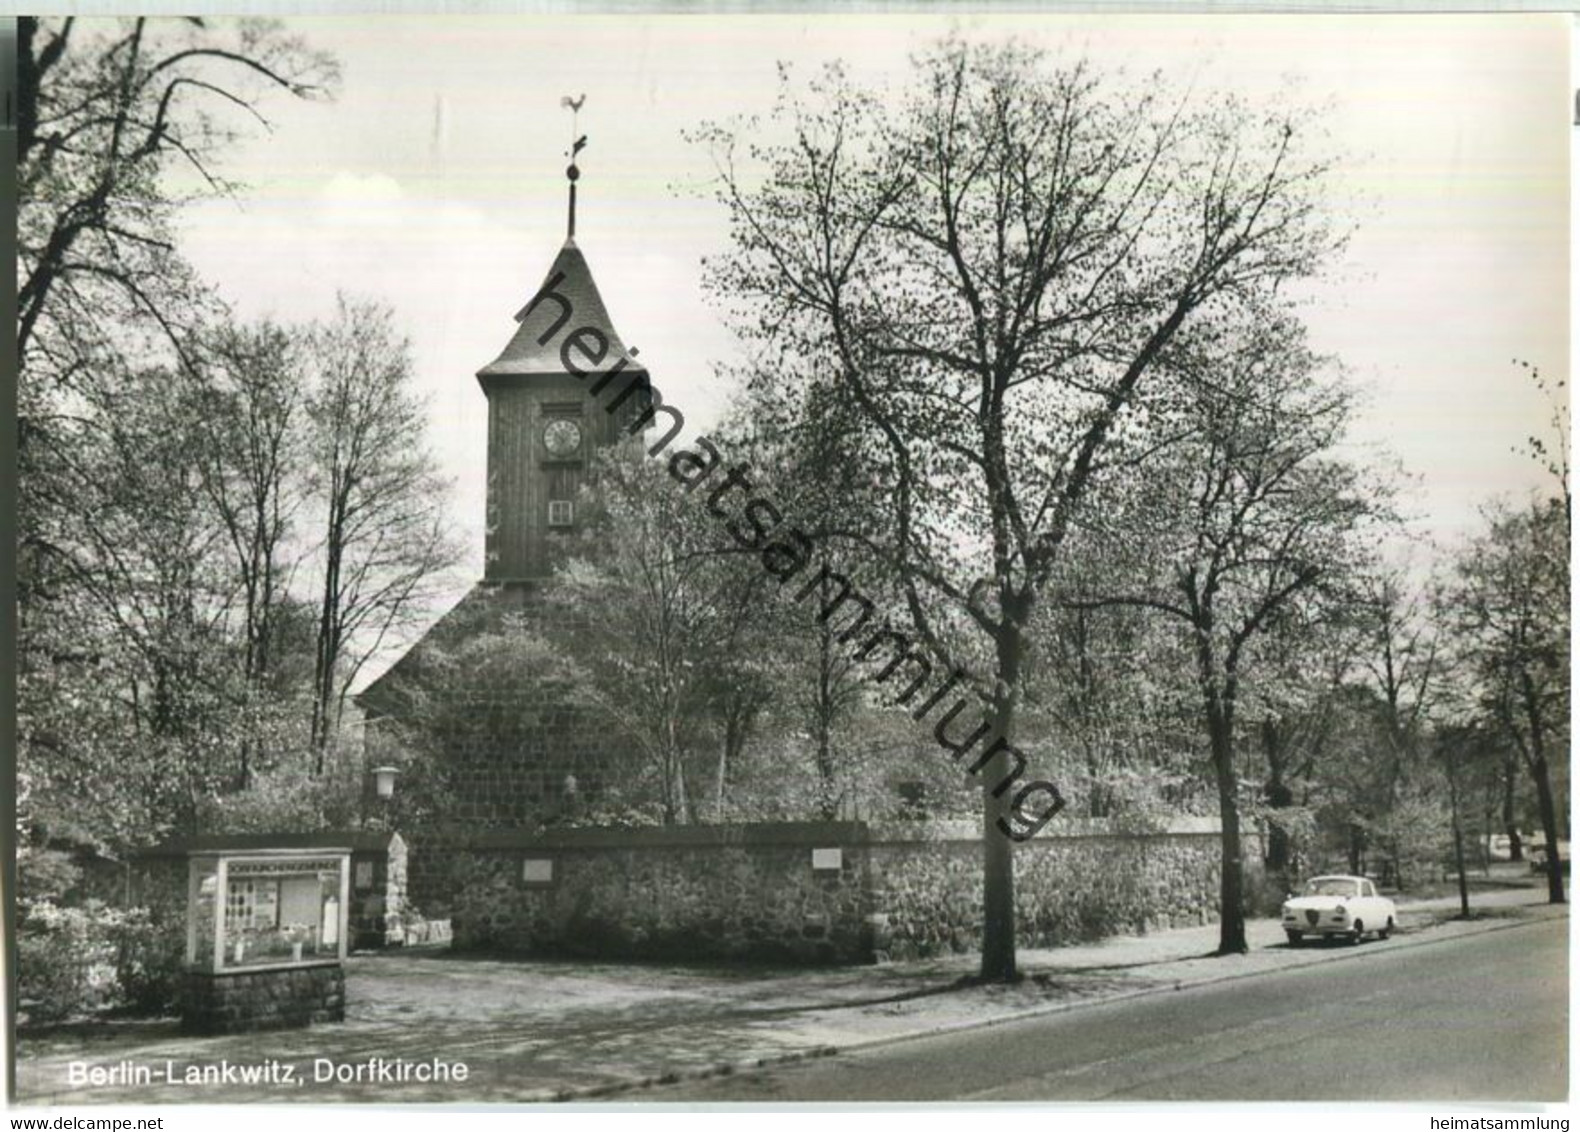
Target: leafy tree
(433, 715)
(110, 114)
(283, 798)
(1257, 524)
(1399, 675)
(742, 680)
(128, 697)
(820, 686)
(669, 615)
(135, 706)
(384, 543)
(1509, 611)
(1108, 682)
(143, 564)
(1463, 750)
(250, 410)
(988, 274)
(1299, 706)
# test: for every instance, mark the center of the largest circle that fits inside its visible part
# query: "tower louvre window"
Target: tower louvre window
(561, 513)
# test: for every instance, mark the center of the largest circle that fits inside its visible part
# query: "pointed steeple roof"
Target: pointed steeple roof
(569, 279)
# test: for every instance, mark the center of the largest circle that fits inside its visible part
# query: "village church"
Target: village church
(547, 425)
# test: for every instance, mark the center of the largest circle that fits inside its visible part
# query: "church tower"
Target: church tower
(505, 740)
(545, 425)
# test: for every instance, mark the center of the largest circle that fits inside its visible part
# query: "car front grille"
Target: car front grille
(1312, 915)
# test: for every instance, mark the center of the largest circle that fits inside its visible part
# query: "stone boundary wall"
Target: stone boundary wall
(761, 893)
(1085, 883)
(717, 892)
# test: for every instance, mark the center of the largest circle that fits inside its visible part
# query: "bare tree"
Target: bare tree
(385, 544)
(1551, 453)
(105, 108)
(988, 274)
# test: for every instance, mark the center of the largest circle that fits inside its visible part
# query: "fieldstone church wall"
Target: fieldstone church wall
(807, 892)
(516, 746)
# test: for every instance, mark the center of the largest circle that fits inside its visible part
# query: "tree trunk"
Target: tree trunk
(1510, 775)
(1279, 797)
(828, 784)
(1086, 694)
(827, 787)
(1487, 826)
(1231, 896)
(998, 850)
(1544, 800)
(1459, 848)
(1218, 700)
(1544, 788)
(688, 796)
(671, 790)
(720, 777)
(328, 651)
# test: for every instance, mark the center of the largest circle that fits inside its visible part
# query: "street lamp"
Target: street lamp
(384, 780)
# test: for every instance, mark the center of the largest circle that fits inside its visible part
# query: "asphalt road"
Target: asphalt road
(1478, 1018)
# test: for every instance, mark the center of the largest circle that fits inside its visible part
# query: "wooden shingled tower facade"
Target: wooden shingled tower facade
(544, 424)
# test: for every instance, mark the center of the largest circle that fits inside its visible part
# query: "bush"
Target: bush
(45, 874)
(149, 957)
(65, 960)
(73, 961)
(286, 799)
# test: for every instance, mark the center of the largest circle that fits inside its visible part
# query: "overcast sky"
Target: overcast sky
(436, 182)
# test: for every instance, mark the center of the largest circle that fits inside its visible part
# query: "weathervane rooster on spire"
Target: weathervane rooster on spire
(574, 105)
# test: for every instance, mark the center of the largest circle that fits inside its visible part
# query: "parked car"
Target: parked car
(1338, 906)
(1500, 848)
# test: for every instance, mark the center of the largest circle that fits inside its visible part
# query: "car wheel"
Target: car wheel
(1387, 930)
(1357, 932)
(1294, 938)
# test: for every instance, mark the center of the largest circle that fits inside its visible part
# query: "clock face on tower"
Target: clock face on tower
(562, 437)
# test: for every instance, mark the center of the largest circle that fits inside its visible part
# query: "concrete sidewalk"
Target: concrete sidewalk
(533, 1031)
